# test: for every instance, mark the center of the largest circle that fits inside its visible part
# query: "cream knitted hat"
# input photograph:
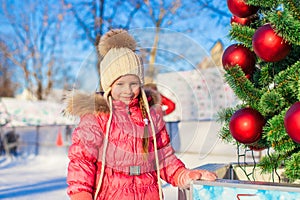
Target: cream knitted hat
(117, 48)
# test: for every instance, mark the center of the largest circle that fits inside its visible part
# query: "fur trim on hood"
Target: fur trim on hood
(79, 104)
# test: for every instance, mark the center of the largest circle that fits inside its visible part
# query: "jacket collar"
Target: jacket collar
(79, 104)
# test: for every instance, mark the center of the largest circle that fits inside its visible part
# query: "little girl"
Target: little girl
(120, 148)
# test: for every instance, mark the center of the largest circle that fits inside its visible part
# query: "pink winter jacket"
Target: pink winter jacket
(124, 150)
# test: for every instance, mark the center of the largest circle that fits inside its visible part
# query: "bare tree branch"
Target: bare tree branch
(33, 45)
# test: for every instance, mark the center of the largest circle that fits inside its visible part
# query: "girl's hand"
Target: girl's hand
(184, 176)
(207, 175)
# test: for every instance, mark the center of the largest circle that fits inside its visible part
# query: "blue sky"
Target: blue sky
(199, 28)
(190, 37)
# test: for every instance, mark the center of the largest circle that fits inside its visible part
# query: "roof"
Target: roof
(19, 112)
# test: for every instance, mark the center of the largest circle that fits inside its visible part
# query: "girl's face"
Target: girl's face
(126, 88)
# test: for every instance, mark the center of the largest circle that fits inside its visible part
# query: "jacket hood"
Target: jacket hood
(79, 104)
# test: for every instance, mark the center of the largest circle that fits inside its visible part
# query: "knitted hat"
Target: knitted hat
(117, 48)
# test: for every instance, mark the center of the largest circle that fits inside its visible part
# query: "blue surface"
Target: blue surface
(241, 191)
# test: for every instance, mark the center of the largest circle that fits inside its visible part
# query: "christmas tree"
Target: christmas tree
(262, 67)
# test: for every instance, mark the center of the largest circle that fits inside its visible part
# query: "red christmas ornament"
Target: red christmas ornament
(243, 21)
(240, 8)
(239, 55)
(292, 122)
(246, 125)
(248, 76)
(268, 45)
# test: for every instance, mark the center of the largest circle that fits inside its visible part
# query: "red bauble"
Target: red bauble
(292, 122)
(239, 55)
(246, 125)
(240, 8)
(268, 45)
(248, 76)
(243, 21)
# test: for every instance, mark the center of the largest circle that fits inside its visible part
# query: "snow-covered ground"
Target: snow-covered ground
(43, 177)
(40, 177)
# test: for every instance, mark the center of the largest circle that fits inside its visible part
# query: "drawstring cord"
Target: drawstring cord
(104, 148)
(106, 142)
(154, 142)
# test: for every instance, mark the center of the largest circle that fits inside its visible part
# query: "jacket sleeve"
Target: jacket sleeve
(83, 153)
(169, 163)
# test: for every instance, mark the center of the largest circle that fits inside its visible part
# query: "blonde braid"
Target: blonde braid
(146, 131)
(146, 105)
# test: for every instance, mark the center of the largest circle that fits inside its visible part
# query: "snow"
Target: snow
(39, 177)
(43, 176)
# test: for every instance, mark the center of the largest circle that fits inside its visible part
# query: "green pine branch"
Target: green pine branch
(242, 87)
(242, 34)
(282, 91)
(264, 76)
(224, 134)
(292, 167)
(294, 7)
(271, 103)
(286, 24)
(274, 129)
(270, 163)
(223, 117)
(264, 4)
(287, 82)
(284, 146)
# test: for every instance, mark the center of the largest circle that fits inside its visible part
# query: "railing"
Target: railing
(35, 140)
(231, 175)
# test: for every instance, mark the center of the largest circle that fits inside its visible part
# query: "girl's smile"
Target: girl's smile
(126, 88)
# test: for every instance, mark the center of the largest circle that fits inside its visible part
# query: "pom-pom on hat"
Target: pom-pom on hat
(117, 48)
